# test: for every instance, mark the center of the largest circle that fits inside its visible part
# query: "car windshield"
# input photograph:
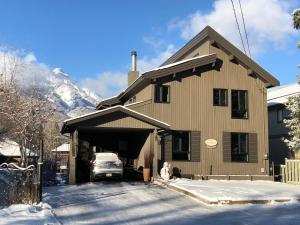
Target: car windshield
(106, 156)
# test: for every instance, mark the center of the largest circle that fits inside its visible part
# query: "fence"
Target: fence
(17, 185)
(290, 172)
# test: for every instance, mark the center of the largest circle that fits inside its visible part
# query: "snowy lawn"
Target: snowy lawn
(245, 191)
(136, 203)
(27, 214)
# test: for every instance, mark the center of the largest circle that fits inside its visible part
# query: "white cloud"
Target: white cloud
(148, 63)
(30, 58)
(267, 22)
(25, 67)
(106, 84)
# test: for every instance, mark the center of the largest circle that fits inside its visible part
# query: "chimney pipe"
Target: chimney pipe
(133, 61)
(133, 74)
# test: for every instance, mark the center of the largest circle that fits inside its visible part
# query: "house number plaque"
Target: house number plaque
(211, 143)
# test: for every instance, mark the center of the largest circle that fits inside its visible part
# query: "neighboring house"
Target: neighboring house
(278, 131)
(204, 110)
(61, 156)
(10, 152)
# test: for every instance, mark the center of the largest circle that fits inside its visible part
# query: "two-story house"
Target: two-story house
(278, 131)
(204, 111)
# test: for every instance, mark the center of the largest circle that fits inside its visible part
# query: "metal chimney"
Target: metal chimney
(133, 61)
(133, 74)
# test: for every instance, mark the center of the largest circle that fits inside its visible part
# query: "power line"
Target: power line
(245, 28)
(237, 23)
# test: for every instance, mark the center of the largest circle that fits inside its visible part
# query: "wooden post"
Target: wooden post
(72, 156)
(40, 172)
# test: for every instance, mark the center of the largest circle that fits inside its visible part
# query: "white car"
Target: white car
(106, 164)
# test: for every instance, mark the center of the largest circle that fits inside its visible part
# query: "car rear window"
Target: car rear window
(106, 156)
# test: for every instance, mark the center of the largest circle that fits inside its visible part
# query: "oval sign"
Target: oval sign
(211, 143)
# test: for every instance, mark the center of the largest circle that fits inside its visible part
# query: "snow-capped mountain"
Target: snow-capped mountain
(68, 98)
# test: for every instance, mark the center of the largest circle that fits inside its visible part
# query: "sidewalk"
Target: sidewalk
(235, 192)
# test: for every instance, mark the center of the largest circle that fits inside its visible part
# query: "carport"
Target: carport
(117, 129)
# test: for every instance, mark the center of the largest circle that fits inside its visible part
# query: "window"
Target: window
(239, 147)
(220, 97)
(239, 104)
(162, 94)
(279, 115)
(132, 100)
(181, 145)
(283, 114)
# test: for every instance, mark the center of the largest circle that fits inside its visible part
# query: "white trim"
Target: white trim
(134, 103)
(179, 62)
(114, 107)
(105, 99)
(92, 113)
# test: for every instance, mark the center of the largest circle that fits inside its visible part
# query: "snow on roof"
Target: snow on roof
(280, 94)
(117, 106)
(10, 148)
(177, 63)
(62, 148)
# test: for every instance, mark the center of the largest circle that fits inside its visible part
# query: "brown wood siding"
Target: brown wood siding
(127, 122)
(226, 147)
(253, 151)
(195, 146)
(201, 49)
(192, 109)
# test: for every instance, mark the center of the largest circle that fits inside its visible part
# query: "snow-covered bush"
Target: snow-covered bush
(293, 122)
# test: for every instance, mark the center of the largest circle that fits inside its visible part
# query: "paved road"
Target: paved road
(136, 203)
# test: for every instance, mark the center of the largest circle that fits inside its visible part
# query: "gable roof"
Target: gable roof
(62, 148)
(209, 33)
(9, 148)
(279, 95)
(146, 78)
(118, 108)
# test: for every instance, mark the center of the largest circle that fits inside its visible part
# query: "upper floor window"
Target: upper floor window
(132, 100)
(239, 147)
(239, 104)
(279, 115)
(181, 145)
(220, 97)
(282, 114)
(162, 94)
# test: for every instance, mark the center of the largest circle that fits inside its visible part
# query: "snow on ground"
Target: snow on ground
(136, 203)
(222, 190)
(27, 214)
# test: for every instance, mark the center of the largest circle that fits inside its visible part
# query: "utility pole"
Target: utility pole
(40, 172)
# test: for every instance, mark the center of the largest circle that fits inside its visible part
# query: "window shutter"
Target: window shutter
(195, 146)
(226, 146)
(253, 151)
(168, 148)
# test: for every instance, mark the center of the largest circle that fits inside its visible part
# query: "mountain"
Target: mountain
(69, 99)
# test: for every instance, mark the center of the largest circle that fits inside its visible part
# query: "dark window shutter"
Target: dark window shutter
(168, 148)
(253, 150)
(226, 146)
(195, 146)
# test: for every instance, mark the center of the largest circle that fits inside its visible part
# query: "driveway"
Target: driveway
(136, 203)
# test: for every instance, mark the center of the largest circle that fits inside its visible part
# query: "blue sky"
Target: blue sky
(92, 40)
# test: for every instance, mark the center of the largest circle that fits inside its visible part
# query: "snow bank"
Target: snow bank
(28, 214)
(221, 190)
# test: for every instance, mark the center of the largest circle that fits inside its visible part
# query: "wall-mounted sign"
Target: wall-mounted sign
(211, 143)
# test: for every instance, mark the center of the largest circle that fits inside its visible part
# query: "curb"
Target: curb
(219, 202)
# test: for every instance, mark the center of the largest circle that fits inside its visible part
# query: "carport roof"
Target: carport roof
(67, 124)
